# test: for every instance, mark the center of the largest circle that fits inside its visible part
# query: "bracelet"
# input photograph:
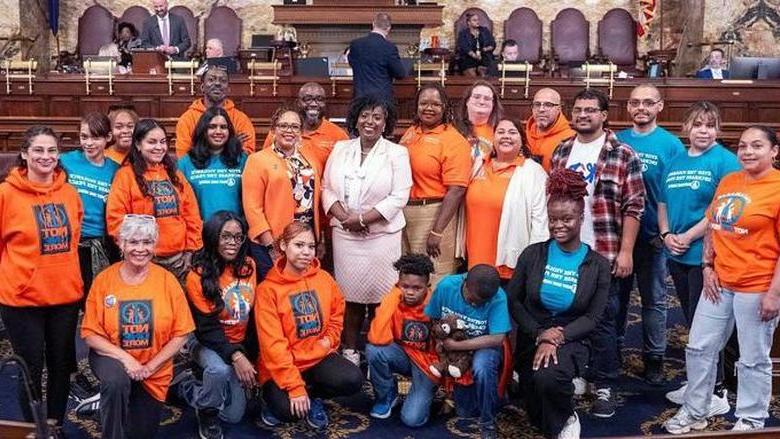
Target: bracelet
(436, 234)
(663, 235)
(360, 220)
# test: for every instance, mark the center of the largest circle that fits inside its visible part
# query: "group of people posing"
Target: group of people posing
(265, 265)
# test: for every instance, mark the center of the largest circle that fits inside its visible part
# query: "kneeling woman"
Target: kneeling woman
(557, 295)
(136, 320)
(299, 312)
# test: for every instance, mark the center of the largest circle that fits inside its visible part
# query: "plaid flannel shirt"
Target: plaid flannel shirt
(618, 190)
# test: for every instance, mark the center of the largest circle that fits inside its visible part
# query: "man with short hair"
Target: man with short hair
(165, 32)
(509, 50)
(655, 147)
(215, 87)
(477, 299)
(319, 134)
(375, 61)
(215, 56)
(714, 68)
(547, 127)
(613, 209)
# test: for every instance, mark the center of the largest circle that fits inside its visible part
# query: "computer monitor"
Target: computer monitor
(312, 67)
(745, 67)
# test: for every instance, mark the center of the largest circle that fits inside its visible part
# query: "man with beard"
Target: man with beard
(613, 209)
(319, 134)
(547, 127)
(165, 32)
(215, 87)
(655, 147)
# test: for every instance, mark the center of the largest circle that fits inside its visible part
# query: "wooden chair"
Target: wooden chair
(223, 23)
(192, 28)
(135, 15)
(460, 24)
(96, 28)
(525, 27)
(617, 39)
(570, 38)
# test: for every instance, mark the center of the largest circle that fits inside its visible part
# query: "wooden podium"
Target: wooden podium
(148, 62)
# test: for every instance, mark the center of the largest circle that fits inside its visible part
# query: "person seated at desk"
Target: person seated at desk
(714, 68)
(475, 47)
(509, 51)
(164, 32)
(215, 56)
(126, 40)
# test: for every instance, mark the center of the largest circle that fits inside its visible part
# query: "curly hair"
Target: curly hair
(448, 113)
(200, 153)
(566, 185)
(369, 102)
(138, 163)
(416, 263)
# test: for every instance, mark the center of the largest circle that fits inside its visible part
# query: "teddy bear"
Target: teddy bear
(452, 363)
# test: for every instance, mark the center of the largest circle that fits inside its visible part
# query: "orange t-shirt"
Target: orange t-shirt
(407, 326)
(116, 156)
(237, 294)
(745, 221)
(484, 203)
(439, 158)
(318, 143)
(140, 319)
(484, 133)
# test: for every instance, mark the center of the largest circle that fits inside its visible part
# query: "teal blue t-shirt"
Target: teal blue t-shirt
(93, 184)
(656, 150)
(561, 274)
(490, 318)
(688, 187)
(216, 186)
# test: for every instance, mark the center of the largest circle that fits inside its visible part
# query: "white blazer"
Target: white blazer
(382, 182)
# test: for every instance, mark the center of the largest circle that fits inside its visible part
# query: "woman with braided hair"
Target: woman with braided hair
(557, 296)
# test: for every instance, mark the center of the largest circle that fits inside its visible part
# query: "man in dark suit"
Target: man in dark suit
(165, 32)
(375, 61)
(714, 68)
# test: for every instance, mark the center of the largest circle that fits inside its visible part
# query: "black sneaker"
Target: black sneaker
(209, 426)
(654, 371)
(604, 405)
(88, 406)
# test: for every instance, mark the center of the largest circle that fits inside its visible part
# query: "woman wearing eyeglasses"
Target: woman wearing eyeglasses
(136, 319)
(279, 185)
(221, 291)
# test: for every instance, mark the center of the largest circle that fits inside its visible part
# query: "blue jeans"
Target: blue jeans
(711, 330)
(650, 272)
(220, 388)
(383, 361)
(481, 398)
(604, 363)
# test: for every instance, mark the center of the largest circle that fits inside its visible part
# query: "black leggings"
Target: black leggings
(354, 318)
(331, 377)
(44, 333)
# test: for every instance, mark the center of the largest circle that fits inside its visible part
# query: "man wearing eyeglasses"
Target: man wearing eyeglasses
(319, 134)
(613, 209)
(655, 147)
(547, 127)
(215, 86)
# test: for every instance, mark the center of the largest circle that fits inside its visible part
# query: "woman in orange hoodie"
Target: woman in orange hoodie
(40, 278)
(299, 313)
(152, 185)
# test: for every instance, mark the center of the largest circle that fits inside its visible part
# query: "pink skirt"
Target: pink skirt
(363, 266)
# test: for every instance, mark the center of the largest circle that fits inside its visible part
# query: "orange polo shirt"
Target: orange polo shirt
(318, 143)
(439, 158)
(484, 203)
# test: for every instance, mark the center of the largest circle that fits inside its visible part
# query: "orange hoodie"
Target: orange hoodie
(40, 228)
(176, 210)
(292, 315)
(542, 144)
(407, 326)
(185, 127)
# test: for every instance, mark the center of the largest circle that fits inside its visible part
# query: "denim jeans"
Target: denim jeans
(481, 398)
(383, 362)
(604, 360)
(650, 272)
(711, 329)
(219, 389)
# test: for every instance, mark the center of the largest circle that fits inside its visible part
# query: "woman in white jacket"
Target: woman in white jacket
(506, 204)
(365, 188)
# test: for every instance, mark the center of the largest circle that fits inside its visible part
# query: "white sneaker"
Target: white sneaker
(745, 425)
(682, 423)
(719, 404)
(677, 396)
(572, 428)
(580, 385)
(352, 356)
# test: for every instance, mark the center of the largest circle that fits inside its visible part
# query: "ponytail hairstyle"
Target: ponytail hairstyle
(137, 162)
(567, 185)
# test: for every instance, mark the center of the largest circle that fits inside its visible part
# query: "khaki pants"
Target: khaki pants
(419, 221)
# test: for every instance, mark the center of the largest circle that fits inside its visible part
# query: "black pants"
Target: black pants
(127, 410)
(549, 391)
(331, 377)
(262, 258)
(44, 333)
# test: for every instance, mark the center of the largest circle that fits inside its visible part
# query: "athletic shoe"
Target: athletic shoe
(317, 418)
(580, 385)
(677, 396)
(352, 356)
(268, 418)
(604, 405)
(682, 423)
(209, 426)
(383, 409)
(719, 404)
(88, 406)
(571, 430)
(745, 425)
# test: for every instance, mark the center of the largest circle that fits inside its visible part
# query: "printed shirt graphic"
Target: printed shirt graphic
(584, 159)
(307, 313)
(216, 186)
(54, 229)
(492, 317)
(559, 284)
(136, 325)
(301, 175)
(415, 333)
(93, 184)
(165, 199)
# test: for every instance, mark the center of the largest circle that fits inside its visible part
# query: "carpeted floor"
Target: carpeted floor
(641, 408)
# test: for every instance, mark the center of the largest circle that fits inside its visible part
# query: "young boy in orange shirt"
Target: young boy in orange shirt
(399, 342)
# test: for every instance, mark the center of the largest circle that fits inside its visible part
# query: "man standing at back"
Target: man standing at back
(165, 32)
(547, 127)
(375, 61)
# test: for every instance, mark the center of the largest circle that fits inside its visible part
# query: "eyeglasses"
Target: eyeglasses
(229, 237)
(545, 105)
(644, 102)
(294, 127)
(310, 99)
(586, 110)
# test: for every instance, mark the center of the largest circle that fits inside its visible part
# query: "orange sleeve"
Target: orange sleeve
(253, 183)
(118, 203)
(92, 324)
(275, 350)
(191, 214)
(194, 291)
(381, 331)
(269, 139)
(336, 321)
(185, 128)
(456, 162)
(244, 125)
(182, 317)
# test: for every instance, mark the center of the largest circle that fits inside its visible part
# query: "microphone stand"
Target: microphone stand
(36, 407)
